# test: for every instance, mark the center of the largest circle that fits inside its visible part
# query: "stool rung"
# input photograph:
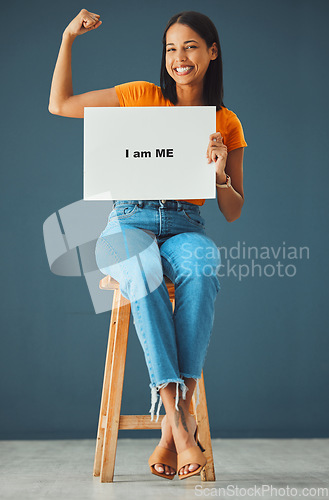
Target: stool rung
(139, 422)
(127, 422)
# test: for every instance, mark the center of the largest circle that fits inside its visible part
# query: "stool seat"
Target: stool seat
(110, 419)
(109, 283)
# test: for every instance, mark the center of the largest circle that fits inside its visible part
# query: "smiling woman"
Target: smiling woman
(175, 345)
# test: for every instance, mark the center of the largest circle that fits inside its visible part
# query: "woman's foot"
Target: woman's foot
(167, 441)
(183, 433)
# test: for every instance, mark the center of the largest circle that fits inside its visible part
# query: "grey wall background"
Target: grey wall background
(267, 367)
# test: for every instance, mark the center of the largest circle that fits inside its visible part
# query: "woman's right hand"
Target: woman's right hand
(62, 100)
(83, 22)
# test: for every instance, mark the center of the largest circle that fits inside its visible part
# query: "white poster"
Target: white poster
(148, 153)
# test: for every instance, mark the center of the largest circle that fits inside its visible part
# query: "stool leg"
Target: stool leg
(106, 384)
(112, 419)
(201, 416)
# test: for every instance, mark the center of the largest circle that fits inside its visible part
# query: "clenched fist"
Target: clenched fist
(83, 22)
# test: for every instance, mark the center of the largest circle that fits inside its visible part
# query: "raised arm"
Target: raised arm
(62, 101)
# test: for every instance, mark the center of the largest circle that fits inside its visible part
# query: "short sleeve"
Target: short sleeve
(234, 136)
(135, 94)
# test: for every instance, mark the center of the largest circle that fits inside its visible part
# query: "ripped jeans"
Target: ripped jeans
(143, 241)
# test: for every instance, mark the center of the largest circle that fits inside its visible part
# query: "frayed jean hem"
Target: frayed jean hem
(156, 388)
(186, 375)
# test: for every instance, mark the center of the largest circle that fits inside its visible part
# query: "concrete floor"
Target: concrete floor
(62, 470)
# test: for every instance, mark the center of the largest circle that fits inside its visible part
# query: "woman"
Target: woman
(167, 237)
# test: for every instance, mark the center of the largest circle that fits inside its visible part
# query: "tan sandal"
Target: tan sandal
(162, 455)
(193, 455)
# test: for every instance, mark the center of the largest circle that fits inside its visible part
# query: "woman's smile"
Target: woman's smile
(183, 70)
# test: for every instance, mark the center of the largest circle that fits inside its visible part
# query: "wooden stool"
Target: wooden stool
(110, 420)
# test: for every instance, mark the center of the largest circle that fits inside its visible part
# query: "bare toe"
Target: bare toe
(164, 469)
(188, 468)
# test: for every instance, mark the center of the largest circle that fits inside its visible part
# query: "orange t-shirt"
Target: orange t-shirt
(148, 94)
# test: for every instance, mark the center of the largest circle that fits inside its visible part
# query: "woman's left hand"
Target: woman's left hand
(217, 152)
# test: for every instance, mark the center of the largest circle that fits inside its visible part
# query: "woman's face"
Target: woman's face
(187, 55)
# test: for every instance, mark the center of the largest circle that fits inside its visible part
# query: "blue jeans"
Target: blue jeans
(143, 241)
